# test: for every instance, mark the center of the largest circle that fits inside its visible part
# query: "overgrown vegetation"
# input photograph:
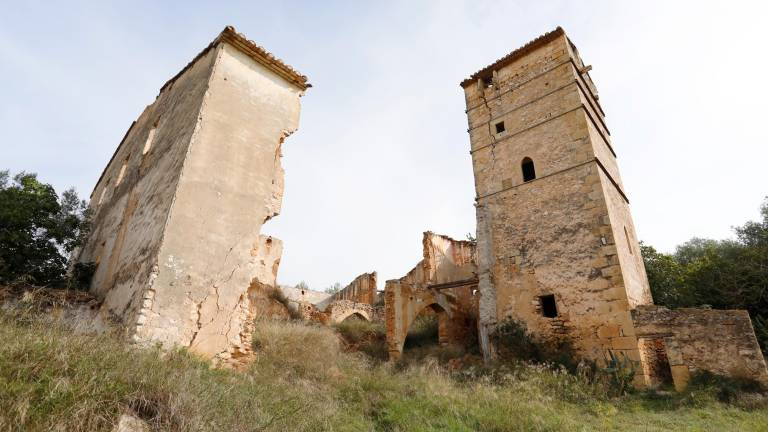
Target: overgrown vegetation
(364, 336)
(302, 380)
(38, 231)
(723, 274)
(277, 294)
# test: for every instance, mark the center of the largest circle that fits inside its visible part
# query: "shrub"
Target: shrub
(513, 342)
(277, 294)
(364, 336)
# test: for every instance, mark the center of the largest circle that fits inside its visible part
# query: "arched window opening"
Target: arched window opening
(529, 172)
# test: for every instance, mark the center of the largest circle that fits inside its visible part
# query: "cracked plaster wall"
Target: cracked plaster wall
(186, 234)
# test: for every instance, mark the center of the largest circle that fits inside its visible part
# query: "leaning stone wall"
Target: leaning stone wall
(133, 197)
(719, 341)
(184, 241)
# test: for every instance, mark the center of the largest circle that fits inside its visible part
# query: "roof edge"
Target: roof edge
(252, 50)
(540, 41)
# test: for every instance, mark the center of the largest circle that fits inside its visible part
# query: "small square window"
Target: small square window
(500, 127)
(548, 306)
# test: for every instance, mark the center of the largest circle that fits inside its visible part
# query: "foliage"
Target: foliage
(726, 274)
(38, 230)
(513, 342)
(622, 370)
(302, 286)
(333, 289)
(277, 294)
(364, 336)
(422, 332)
(301, 380)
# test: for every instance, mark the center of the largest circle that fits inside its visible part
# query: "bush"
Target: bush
(364, 336)
(300, 380)
(513, 342)
(277, 294)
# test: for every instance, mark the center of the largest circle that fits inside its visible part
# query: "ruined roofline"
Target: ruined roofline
(487, 72)
(237, 40)
(254, 51)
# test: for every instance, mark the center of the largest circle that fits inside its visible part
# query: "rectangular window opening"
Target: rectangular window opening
(148, 143)
(500, 127)
(548, 306)
(121, 174)
(629, 242)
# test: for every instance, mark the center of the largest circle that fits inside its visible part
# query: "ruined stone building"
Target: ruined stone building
(178, 211)
(182, 260)
(556, 245)
(358, 299)
(444, 282)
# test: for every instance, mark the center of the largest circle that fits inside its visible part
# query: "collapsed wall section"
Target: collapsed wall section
(360, 290)
(443, 282)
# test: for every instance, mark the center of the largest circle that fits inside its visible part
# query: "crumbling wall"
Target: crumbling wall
(443, 281)
(718, 341)
(184, 240)
(360, 290)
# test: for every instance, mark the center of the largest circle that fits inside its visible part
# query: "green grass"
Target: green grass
(302, 379)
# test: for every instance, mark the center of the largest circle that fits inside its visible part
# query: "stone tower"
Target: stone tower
(557, 248)
(178, 211)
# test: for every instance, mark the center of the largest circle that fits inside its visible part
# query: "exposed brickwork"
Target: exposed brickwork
(360, 290)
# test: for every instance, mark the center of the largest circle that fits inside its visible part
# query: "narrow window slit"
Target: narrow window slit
(548, 306)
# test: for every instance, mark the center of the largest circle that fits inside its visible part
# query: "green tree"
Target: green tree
(665, 275)
(725, 274)
(38, 230)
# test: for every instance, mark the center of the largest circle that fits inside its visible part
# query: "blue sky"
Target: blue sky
(382, 150)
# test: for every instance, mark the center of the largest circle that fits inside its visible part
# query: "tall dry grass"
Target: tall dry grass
(301, 380)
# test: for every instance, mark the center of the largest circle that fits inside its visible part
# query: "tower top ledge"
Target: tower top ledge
(540, 41)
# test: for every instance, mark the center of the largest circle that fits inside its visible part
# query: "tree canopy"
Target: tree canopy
(38, 229)
(722, 274)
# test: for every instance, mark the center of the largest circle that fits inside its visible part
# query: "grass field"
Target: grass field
(304, 380)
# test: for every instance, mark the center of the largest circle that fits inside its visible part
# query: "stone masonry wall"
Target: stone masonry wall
(133, 197)
(718, 341)
(557, 234)
(360, 290)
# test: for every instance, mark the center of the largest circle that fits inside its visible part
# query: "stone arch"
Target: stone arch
(340, 310)
(348, 314)
(443, 315)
